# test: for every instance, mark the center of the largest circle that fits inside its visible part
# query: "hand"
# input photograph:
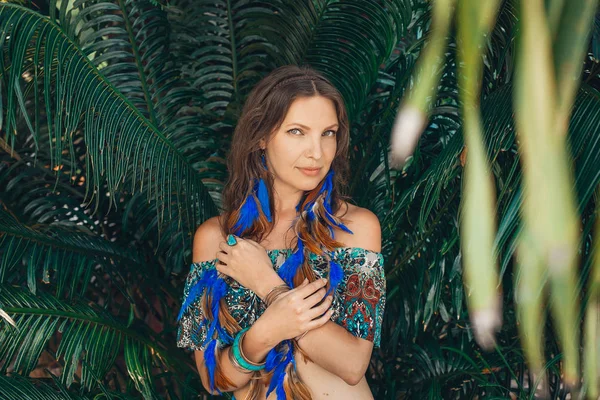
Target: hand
(248, 263)
(296, 311)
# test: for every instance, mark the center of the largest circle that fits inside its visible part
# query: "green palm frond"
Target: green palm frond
(499, 137)
(65, 257)
(68, 258)
(112, 126)
(218, 54)
(243, 40)
(584, 146)
(128, 42)
(32, 193)
(18, 387)
(346, 40)
(89, 336)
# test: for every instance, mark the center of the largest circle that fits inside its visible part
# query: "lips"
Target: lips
(310, 171)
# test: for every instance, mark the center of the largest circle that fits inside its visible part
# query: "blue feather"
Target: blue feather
(211, 363)
(328, 187)
(336, 274)
(194, 293)
(263, 198)
(284, 358)
(217, 291)
(289, 268)
(206, 279)
(248, 214)
(272, 360)
(339, 225)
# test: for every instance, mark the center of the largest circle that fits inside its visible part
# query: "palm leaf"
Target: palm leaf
(112, 126)
(18, 387)
(499, 137)
(87, 335)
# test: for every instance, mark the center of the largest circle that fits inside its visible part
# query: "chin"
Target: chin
(308, 185)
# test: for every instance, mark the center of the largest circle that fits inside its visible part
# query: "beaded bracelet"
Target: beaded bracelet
(238, 354)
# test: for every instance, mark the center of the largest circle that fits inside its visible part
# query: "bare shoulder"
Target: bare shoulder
(365, 227)
(206, 240)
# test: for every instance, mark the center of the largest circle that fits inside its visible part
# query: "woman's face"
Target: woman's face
(305, 139)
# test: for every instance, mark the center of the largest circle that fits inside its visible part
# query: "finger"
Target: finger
(294, 290)
(315, 298)
(224, 247)
(223, 257)
(321, 308)
(312, 287)
(223, 268)
(316, 323)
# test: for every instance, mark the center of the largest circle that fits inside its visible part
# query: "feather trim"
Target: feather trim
(280, 362)
(289, 268)
(248, 214)
(263, 198)
(210, 359)
(336, 274)
(206, 279)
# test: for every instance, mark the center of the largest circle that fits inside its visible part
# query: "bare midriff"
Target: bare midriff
(322, 384)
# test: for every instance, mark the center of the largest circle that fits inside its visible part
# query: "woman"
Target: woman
(286, 292)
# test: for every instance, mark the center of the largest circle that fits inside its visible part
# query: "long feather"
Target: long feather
(336, 274)
(289, 268)
(283, 359)
(210, 360)
(196, 290)
(338, 224)
(217, 291)
(248, 214)
(273, 358)
(263, 198)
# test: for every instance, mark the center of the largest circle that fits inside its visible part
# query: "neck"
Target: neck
(286, 200)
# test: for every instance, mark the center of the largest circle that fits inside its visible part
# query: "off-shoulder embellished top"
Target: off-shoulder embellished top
(358, 302)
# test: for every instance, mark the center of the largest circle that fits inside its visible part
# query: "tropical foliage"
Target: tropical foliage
(115, 120)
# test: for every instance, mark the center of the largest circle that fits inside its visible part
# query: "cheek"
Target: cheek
(283, 156)
(330, 150)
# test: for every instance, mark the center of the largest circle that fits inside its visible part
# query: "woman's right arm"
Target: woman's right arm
(205, 246)
(291, 314)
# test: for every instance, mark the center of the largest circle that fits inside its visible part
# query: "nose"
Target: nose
(314, 149)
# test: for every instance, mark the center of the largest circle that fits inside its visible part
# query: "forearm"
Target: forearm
(336, 350)
(330, 346)
(255, 344)
(254, 347)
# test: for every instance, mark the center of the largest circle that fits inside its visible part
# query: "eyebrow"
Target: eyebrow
(306, 127)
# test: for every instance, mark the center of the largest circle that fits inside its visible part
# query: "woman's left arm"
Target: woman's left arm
(332, 346)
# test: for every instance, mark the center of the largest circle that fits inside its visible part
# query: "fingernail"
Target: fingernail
(324, 280)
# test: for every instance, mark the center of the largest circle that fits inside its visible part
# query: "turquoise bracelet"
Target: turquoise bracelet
(239, 357)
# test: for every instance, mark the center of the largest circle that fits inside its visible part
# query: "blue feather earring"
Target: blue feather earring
(259, 197)
(263, 193)
(336, 273)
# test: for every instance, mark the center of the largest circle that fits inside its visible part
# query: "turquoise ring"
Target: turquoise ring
(231, 240)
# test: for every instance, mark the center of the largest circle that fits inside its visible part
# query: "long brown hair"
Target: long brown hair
(263, 113)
